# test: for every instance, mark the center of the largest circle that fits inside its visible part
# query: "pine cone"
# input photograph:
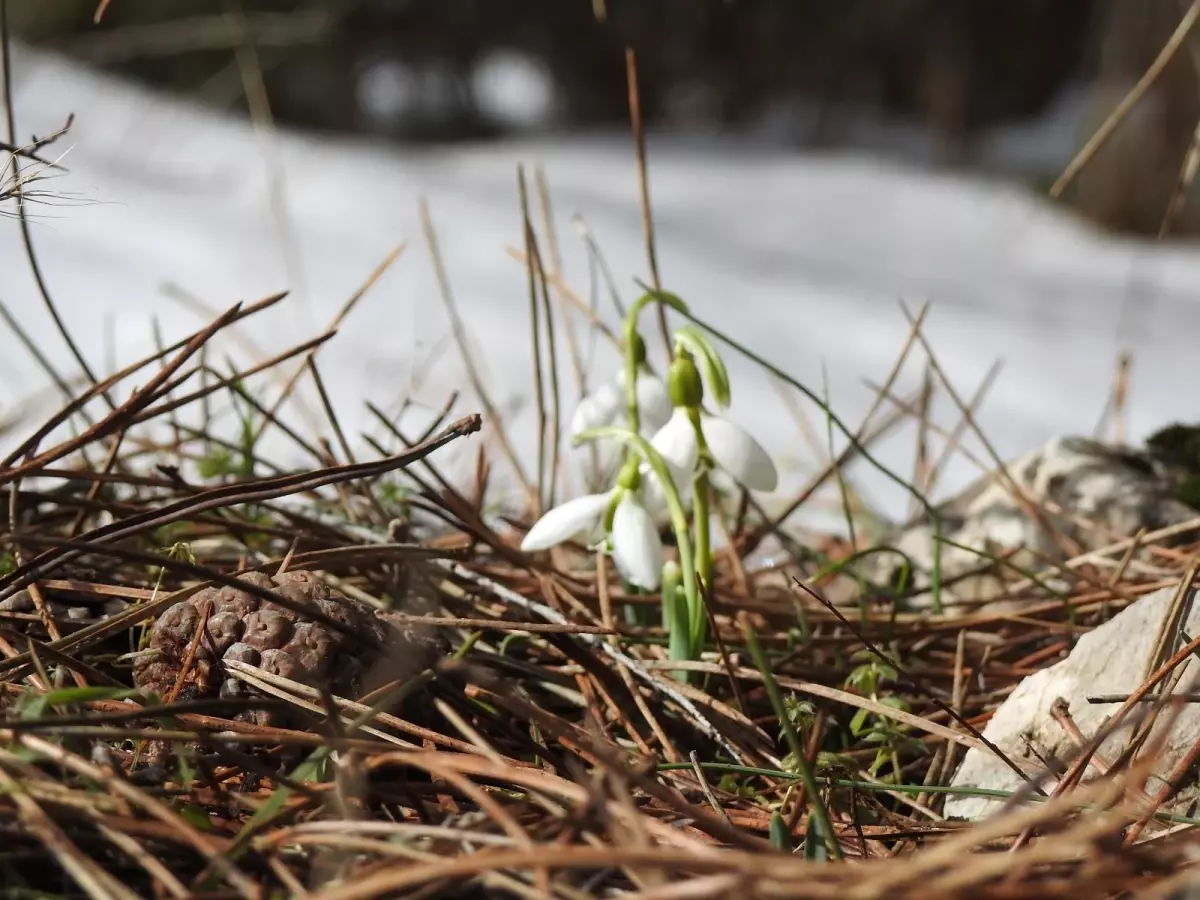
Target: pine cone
(242, 627)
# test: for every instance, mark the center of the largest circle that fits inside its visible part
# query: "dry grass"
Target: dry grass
(549, 752)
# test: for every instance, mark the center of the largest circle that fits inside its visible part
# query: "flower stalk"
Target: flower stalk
(679, 522)
(672, 463)
(635, 348)
(704, 560)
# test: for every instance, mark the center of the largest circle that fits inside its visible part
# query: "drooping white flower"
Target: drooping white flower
(733, 449)
(566, 521)
(636, 546)
(738, 453)
(603, 405)
(597, 409)
(654, 403)
(676, 442)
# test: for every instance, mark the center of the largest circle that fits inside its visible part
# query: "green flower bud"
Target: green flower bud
(630, 478)
(683, 381)
(695, 341)
(639, 349)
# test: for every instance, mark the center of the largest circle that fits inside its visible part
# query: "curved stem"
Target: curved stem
(631, 341)
(631, 374)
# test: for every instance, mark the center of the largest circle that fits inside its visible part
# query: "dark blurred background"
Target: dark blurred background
(1000, 86)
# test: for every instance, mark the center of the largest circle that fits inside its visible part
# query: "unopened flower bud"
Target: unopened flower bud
(683, 381)
(630, 476)
(639, 349)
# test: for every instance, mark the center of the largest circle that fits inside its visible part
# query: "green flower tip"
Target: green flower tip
(630, 476)
(683, 381)
(696, 342)
(637, 347)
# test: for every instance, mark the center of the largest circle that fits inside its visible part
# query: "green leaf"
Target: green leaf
(26, 754)
(881, 759)
(780, 839)
(215, 463)
(312, 769)
(195, 816)
(815, 849)
(858, 723)
(32, 709)
(675, 615)
(729, 784)
(715, 374)
(187, 774)
(862, 678)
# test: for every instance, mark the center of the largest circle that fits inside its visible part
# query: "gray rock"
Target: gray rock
(1111, 659)
(19, 602)
(1091, 494)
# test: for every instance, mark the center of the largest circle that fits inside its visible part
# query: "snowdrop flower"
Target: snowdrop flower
(731, 447)
(583, 515)
(636, 547)
(603, 405)
(691, 430)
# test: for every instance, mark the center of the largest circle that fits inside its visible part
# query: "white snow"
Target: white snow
(803, 257)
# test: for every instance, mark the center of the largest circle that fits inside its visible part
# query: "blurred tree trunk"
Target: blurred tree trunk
(945, 83)
(820, 71)
(1129, 182)
(44, 19)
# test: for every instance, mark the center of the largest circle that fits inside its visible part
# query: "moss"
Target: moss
(1177, 448)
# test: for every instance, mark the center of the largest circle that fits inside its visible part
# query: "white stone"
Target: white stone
(1111, 659)
(1115, 490)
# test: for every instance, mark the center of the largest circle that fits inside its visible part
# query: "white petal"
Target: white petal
(596, 409)
(676, 443)
(566, 521)
(637, 548)
(735, 451)
(654, 402)
(654, 498)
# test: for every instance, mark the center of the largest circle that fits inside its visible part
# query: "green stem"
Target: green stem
(936, 578)
(704, 560)
(679, 523)
(634, 348)
(816, 807)
(631, 374)
(676, 617)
